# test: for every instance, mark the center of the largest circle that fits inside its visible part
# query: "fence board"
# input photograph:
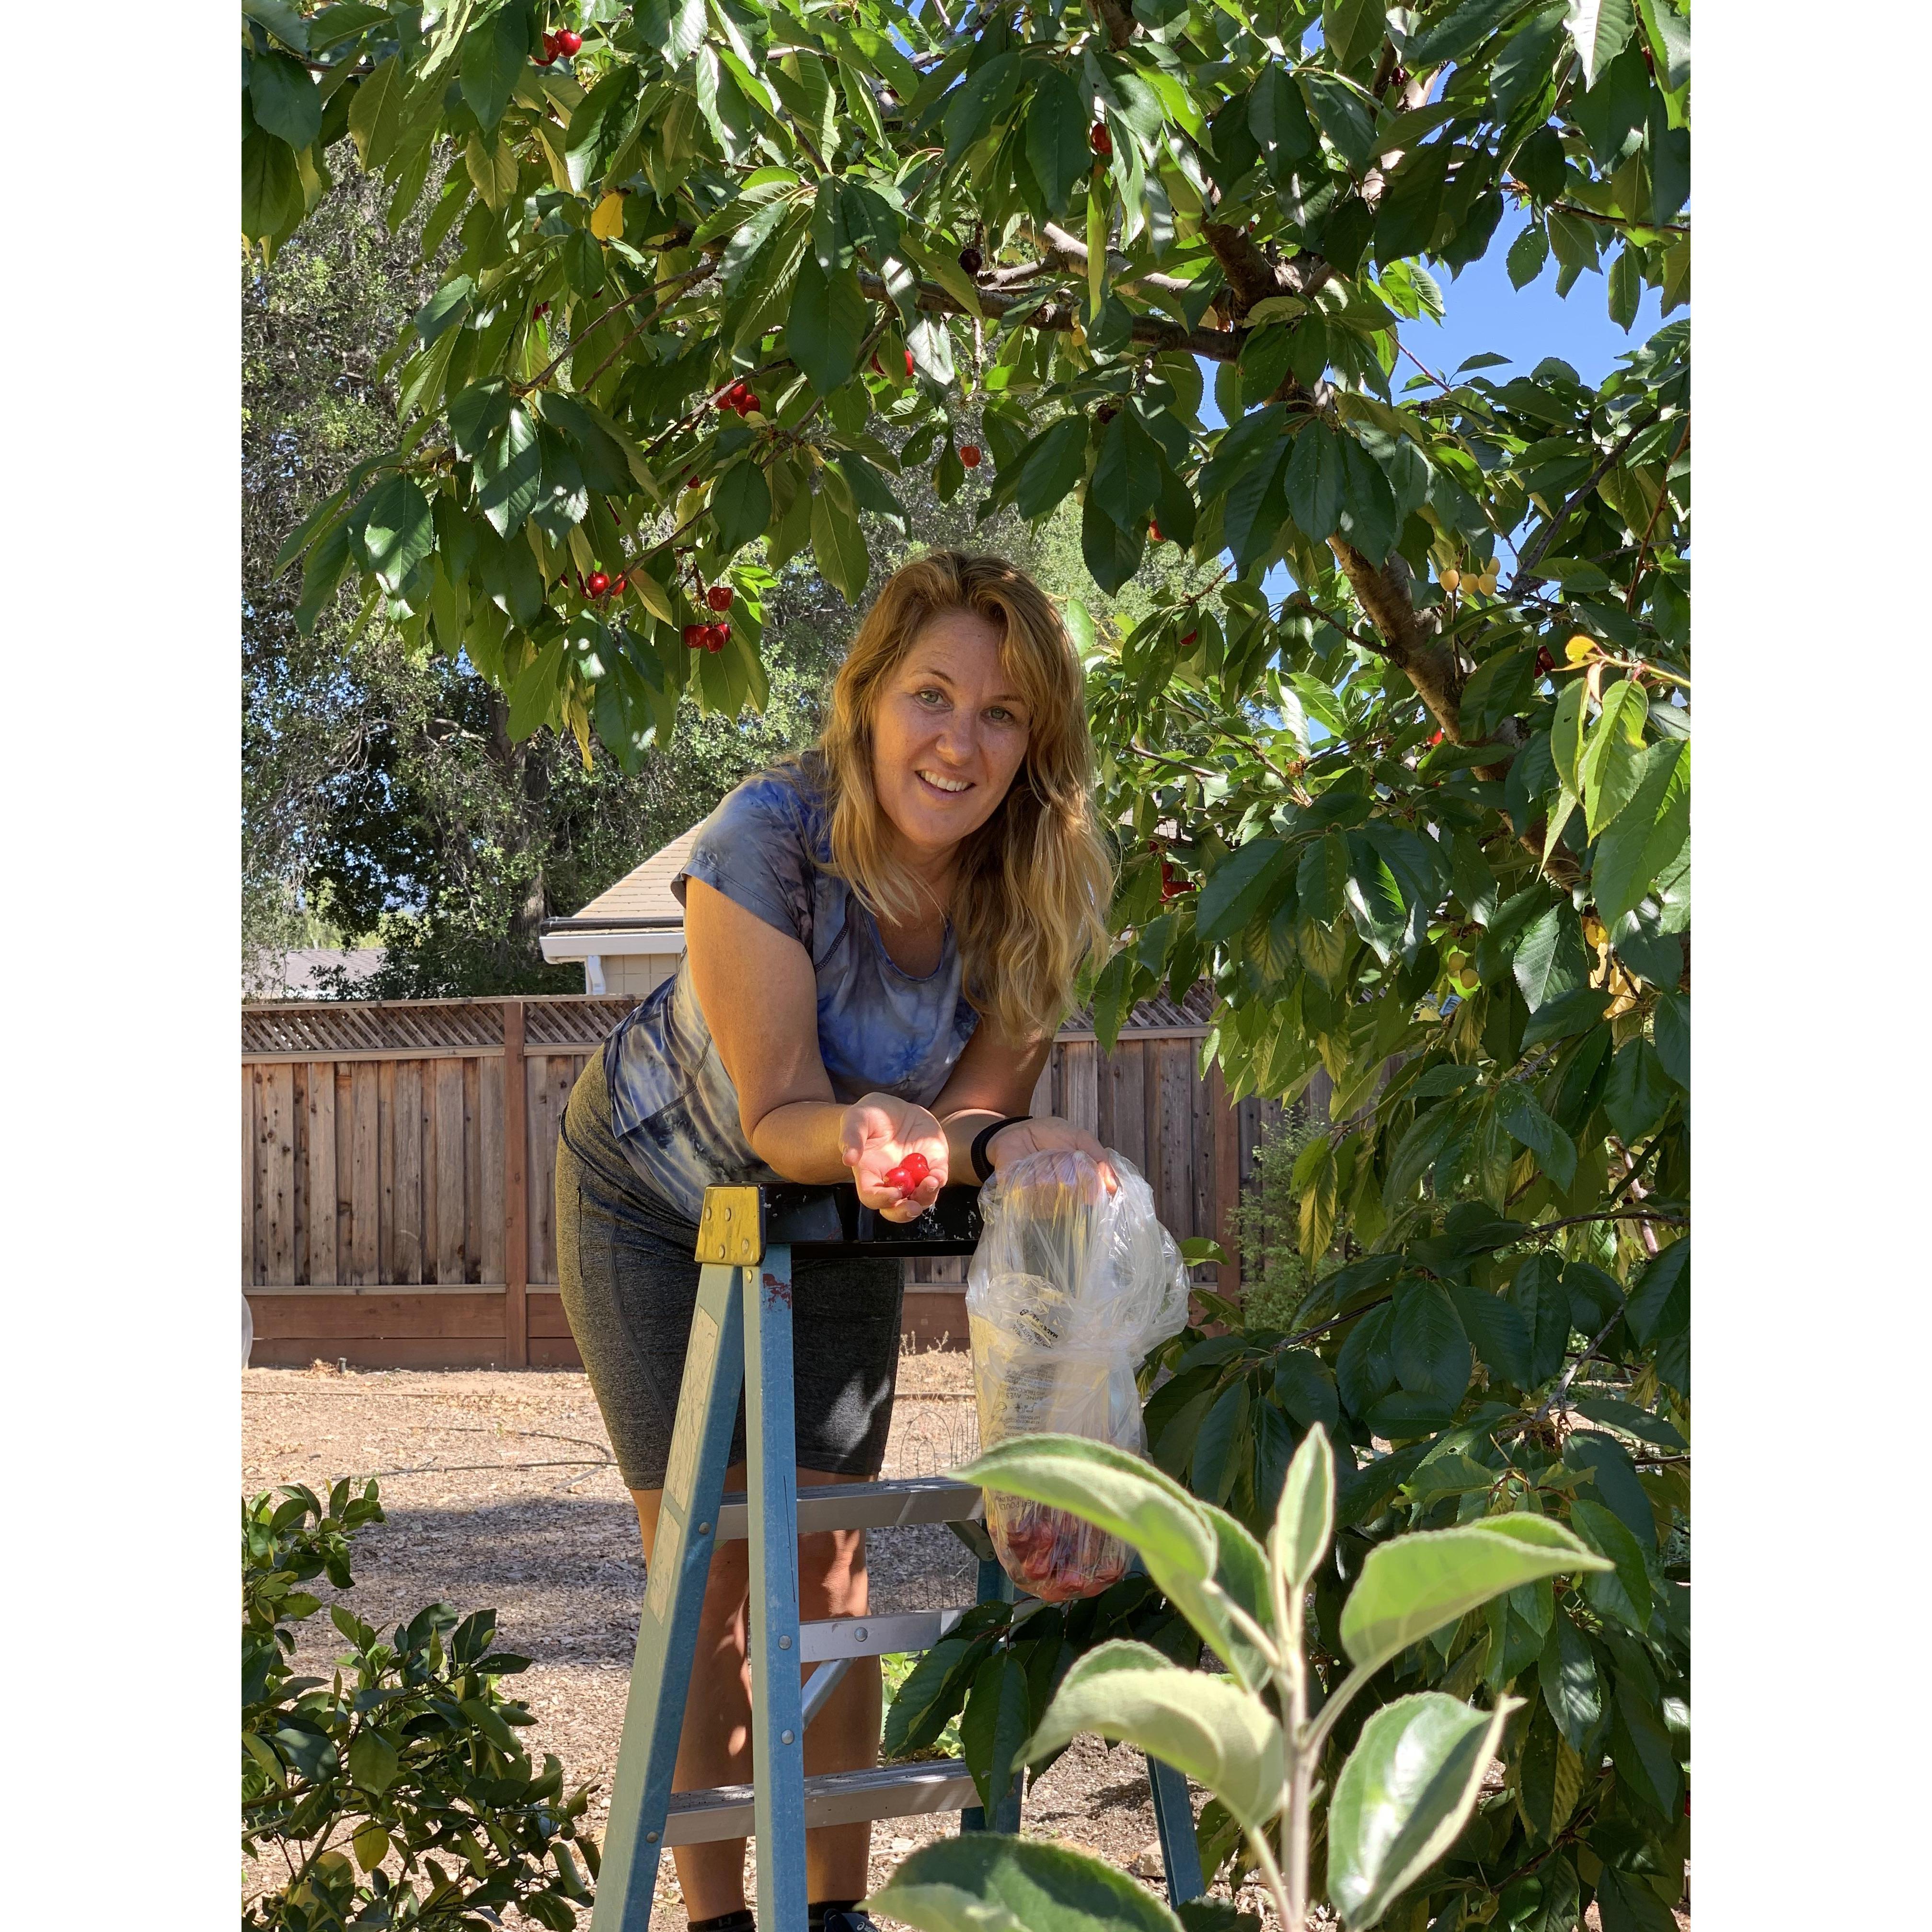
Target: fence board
(473, 1198)
(250, 1247)
(276, 1175)
(1079, 1087)
(365, 1175)
(1123, 1087)
(321, 1191)
(451, 1135)
(406, 1194)
(1173, 1196)
(386, 1163)
(491, 1207)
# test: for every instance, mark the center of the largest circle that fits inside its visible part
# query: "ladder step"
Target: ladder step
(832, 1638)
(832, 1797)
(866, 1505)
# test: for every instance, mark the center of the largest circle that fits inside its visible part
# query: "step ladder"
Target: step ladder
(746, 1242)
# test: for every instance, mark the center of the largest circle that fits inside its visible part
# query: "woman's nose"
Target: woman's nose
(958, 740)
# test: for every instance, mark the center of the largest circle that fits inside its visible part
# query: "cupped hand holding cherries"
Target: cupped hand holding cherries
(897, 1154)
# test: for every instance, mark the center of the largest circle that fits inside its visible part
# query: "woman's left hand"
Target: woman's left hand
(876, 1135)
(1046, 1133)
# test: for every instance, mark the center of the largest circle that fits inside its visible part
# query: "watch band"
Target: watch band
(977, 1153)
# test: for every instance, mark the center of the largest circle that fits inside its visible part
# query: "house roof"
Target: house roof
(645, 893)
(297, 974)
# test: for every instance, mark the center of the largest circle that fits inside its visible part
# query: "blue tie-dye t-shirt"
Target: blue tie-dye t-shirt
(881, 1029)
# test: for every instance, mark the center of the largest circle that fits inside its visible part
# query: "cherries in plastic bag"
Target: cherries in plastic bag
(1068, 1288)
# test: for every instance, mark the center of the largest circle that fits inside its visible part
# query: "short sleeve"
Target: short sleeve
(754, 850)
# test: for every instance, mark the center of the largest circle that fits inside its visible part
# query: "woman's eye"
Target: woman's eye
(1000, 716)
(929, 697)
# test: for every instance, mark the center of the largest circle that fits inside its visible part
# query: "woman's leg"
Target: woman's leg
(715, 1747)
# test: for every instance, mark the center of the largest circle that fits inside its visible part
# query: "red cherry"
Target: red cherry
(549, 58)
(693, 483)
(719, 597)
(1545, 662)
(542, 310)
(969, 454)
(908, 362)
(693, 637)
(598, 583)
(1154, 531)
(747, 403)
(722, 632)
(568, 43)
(1436, 738)
(1188, 639)
(878, 368)
(1100, 140)
(911, 1173)
(622, 584)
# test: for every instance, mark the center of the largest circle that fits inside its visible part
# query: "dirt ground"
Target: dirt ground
(499, 1490)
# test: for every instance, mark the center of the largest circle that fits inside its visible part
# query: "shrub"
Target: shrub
(394, 1790)
(1276, 1276)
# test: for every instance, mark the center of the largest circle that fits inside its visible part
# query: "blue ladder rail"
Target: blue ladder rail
(746, 1241)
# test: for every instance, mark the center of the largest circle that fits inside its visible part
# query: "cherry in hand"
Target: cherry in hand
(910, 1174)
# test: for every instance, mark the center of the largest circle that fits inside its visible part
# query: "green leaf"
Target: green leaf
(1626, 1904)
(1419, 1583)
(1496, 1328)
(1660, 1302)
(271, 189)
(1539, 1296)
(1111, 554)
(1049, 468)
(494, 52)
(397, 531)
(373, 1762)
(993, 1727)
(1573, 1688)
(826, 326)
(282, 94)
(982, 1882)
(1242, 887)
(1056, 137)
(509, 473)
(1566, 733)
(1224, 1444)
(741, 506)
(1313, 480)
(1625, 287)
(1404, 1795)
(1648, 834)
(1217, 1736)
(1546, 1900)
(1126, 473)
(1527, 1123)
(1668, 33)
(1305, 1386)
(1624, 1594)
(1432, 1353)
(1597, 29)
(836, 540)
(1551, 960)
(1456, 31)
(1411, 205)
(1304, 1520)
(1352, 30)
(1528, 256)
(1638, 1091)
(1612, 767)
(928, 1698)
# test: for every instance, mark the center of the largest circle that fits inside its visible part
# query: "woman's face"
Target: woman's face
(948, 736)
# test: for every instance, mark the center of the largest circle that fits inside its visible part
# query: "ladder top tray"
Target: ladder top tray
(739, 1223)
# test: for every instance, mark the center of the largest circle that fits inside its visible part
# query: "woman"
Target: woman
(881, 936)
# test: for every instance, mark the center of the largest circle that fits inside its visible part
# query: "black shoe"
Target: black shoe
(845, 1919)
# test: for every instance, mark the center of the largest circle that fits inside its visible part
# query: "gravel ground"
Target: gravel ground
(499, 1488)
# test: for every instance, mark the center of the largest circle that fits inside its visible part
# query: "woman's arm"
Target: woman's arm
(994, 1078)
(757, 990)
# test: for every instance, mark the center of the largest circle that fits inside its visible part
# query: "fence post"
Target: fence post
(516, 1193)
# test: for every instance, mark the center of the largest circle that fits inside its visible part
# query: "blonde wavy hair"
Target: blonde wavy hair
(1031, 899)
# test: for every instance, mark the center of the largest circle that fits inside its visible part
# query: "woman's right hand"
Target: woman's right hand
(875, 1134)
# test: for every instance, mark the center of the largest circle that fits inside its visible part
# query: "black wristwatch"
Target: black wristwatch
(977, 1154)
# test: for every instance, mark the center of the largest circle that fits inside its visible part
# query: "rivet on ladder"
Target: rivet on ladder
(650, 1837)
(704, 1529)
(784, 1737)
(784, 1643)
(859, 1635)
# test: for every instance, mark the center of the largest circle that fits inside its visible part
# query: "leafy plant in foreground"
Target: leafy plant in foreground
(1260, 1736)
(395, 1791)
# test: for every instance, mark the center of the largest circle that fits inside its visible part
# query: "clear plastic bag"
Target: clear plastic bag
(1068, 1288)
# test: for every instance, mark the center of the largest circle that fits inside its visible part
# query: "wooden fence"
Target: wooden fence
(398, 1164)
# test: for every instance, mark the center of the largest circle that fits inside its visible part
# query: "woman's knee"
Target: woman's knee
(831, 1573)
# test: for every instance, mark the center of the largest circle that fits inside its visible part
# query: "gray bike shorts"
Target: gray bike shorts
(630, 1286)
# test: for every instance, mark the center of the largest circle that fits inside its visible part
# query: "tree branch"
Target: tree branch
(1251, 277)
(1074, 250)
(1526, 563)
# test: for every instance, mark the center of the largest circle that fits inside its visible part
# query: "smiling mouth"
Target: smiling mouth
(948, 788)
